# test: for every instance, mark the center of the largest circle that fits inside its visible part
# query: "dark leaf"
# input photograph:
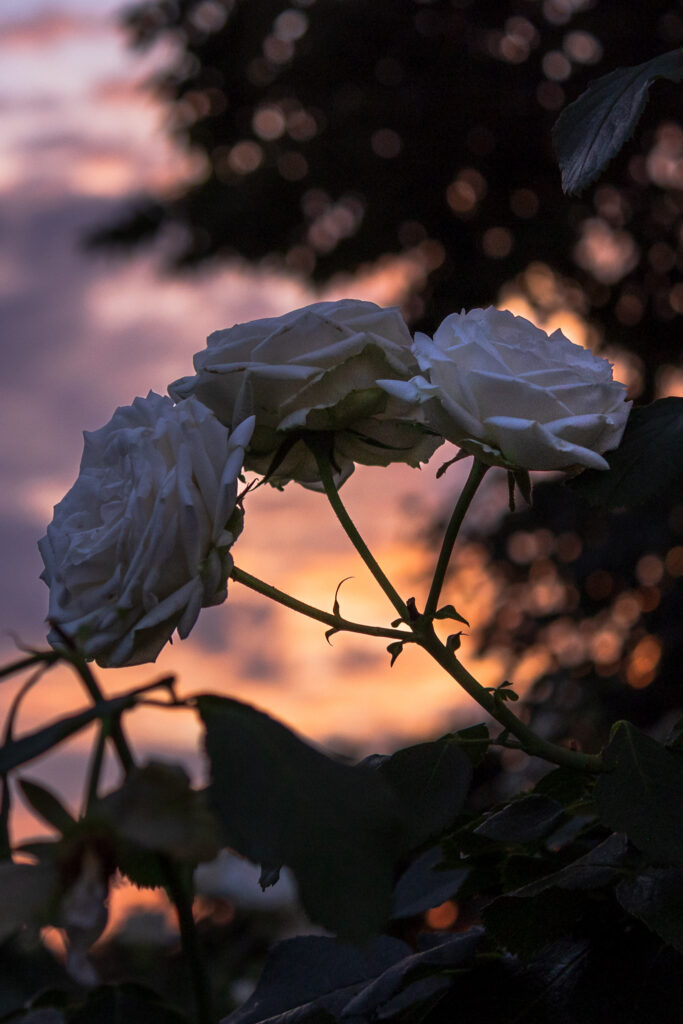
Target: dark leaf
(27, 894)
(282, 802)
(306, 977)
(656, 897)
(423, 886)
(453, 642)
(156, 809)
(592, 129)
(449, 954)
(125, 1004)
(525, 924)
(41, 1015)
(268, 877)
(674, 740)
(522, 821)
(46, 804)
(394, 650)
(641, 793)
(566, 785)
(432, 781)
(647, 462)
(600, 866)
(474, 741)
(449, 612)
(541, 912)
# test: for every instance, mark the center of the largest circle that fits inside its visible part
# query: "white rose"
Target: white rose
(505, 391)
(142, 540)
(313, 370)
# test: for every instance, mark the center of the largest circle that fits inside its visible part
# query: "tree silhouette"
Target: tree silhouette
(334, 131)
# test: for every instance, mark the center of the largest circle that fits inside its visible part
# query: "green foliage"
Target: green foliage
(592, 129)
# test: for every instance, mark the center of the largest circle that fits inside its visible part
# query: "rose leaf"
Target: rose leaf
(647, 462)
(280, 801)
(640, 793)
(592, 129)
(431, 781)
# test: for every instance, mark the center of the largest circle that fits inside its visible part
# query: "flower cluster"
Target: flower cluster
(142, 540)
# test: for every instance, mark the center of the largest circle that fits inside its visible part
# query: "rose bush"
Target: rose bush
(313, 370)
(505, 391)
(142, 540)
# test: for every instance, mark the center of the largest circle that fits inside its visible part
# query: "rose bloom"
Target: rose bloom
(313, 371)
(503, 390)
(142, 540)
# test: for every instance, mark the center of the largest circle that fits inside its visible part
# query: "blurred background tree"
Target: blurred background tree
(331, 133)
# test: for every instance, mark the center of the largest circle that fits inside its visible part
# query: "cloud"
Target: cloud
(43, 29)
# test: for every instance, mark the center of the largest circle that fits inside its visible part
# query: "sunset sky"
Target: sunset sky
(84, 333)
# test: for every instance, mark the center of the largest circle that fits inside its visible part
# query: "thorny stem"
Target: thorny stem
(532, 744)
(477, 474)
(46, 658)
(334, 621)
(421, 630)
(327, 480)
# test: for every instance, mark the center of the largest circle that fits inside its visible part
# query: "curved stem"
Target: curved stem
(532, 744)
(349, 527)
(334, 621)
(46, 658)
(477, 473)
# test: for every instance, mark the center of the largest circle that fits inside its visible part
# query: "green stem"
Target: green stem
(334, 621)
(477, 473)
(327, 480)
(192, 951)
(531, 743)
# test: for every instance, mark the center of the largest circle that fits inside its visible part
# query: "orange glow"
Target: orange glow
(673, 562)
(606, 253)
(442, 917)
(642, 662)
